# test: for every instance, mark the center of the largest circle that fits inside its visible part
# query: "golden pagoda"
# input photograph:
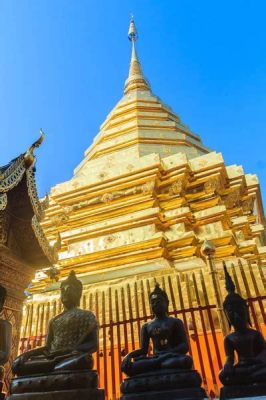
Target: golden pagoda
(139, 206)
(148, 192)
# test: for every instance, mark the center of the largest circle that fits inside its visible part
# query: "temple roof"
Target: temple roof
(141, 123)
(21, 211)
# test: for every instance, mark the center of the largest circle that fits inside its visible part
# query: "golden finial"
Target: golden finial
(136, 80)
(132, 31)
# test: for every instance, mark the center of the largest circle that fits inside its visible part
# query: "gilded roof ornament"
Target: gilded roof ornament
(132, 31)
(29, 158)
(136, 80)
(207, 248)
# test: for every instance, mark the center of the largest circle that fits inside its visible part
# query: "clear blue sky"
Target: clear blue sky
(64, 63)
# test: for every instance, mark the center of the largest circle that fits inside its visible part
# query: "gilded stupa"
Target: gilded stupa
(143, 200)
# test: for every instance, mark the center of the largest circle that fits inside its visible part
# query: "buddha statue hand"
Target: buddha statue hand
(136, 353)
(18, 363)
(228, 369)
(3, 357)
(22, 359)
(78, 361)
(127, 364)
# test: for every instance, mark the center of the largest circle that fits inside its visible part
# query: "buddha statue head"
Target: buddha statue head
(159, 301)
(3, 294)
(235, 307)
(71, 290)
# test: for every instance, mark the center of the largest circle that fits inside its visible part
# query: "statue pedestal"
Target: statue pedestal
(251, 398)
(164, 385)
(64, 385)
(80, 394)
(243, 391)
(2, 394)
(176, 394)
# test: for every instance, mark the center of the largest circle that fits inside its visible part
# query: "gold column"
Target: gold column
(208, 251)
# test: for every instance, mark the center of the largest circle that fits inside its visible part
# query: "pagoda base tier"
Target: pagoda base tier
(81, 394)
(243, 392)
(176, 394)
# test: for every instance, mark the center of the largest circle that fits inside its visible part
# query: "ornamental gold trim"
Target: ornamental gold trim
(3, 201)
(49, 251)
(38, 207)
(12, 175)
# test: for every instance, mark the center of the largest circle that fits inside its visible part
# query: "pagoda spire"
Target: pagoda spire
(136, 79)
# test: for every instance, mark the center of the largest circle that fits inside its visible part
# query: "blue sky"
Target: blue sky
(64, 63)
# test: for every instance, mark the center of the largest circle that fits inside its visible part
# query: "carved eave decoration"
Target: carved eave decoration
(21, 212)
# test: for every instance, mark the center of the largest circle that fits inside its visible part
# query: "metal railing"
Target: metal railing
(118, 336)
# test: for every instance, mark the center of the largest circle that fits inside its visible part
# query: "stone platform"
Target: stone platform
(163, 379)
(251, 398)
(56, 381)
(176, 394)
(164, 385)
(243, 392)
(64, 385)
(79, 394)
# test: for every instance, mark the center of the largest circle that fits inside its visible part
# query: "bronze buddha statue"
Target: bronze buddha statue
(65, 362)
(5, 331)
(169, 367)
(5, 342)
(247, 343)
(72, 337)
(168, 336)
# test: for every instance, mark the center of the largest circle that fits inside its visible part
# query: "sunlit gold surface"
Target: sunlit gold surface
(145, 197)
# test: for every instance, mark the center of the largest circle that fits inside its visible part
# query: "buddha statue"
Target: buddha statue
(5, 331)
(72, 337)
(5, 342)
(169, 367)
(2, 383)
(65, 362)
(244, 342)
(170, 345)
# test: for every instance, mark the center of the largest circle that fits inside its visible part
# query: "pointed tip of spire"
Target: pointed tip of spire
(135, 79)
(132, 31)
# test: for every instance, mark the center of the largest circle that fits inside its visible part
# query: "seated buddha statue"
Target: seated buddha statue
(5, 331)
(168, 369)
(168, 336)
(5, 342)
(244, 342)
(72, 337)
